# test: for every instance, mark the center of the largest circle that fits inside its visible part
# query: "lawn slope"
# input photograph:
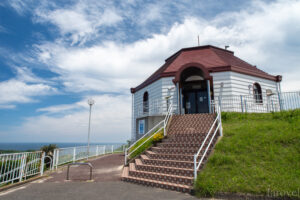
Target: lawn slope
(259, 154)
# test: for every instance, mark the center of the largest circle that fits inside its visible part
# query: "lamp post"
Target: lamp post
(91, 103)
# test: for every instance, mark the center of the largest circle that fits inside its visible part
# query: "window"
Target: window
(145, 103)
(142, 127)
(257, 93)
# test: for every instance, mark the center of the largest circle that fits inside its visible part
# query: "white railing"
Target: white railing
(71, 154)
(19, 166)
(156, 107)
(168, 116)
(217, 125)
(249, 103)
(157, 128)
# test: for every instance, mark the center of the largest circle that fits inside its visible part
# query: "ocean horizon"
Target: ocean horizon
(24, 146)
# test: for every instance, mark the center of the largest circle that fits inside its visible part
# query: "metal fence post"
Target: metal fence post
(279, 99)
(242, 106)
(42, 163)
(21, 172)
(74, 154)
(97, 150)
(104, 150)
(195, 167)
(220, 122)
(220, 103)
(57, 158)
(112, 148)
(126, 156)
(246, 108)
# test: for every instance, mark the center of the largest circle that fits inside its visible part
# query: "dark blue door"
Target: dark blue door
(195, 101)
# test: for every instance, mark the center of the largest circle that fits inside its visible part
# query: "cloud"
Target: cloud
(80, 21)
(15, 91)
(265, 35)
(110, 122)
(20, 6)
(2, 29)
(23, 88)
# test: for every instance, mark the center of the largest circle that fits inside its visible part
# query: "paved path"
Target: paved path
(106, 168)
(106, 185)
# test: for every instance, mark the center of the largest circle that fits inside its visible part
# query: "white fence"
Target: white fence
(155, 107)
(19, 166)
(72, 154)
(262, 104)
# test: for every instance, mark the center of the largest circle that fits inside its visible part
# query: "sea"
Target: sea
(37, 146)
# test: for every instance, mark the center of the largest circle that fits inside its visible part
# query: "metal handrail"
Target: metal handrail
(152, 129)
(168, 116)
(165, 121)
(219, 127)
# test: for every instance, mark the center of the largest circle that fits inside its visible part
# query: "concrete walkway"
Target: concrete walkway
(106, 168)
(106, 185)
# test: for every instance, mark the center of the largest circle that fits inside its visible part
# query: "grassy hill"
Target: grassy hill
(259, 154)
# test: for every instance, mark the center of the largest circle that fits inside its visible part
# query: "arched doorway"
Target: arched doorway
(194, 91)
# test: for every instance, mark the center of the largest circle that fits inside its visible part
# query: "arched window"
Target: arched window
(145, 103)
(257, 93)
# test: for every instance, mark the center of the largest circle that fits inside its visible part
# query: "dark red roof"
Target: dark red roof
(214, 59)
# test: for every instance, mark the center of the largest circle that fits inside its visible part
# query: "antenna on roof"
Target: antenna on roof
(226, 47)
(198, 41)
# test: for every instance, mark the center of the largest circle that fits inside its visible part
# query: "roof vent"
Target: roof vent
(226, 47)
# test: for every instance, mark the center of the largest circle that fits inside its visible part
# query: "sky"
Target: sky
(55, 55)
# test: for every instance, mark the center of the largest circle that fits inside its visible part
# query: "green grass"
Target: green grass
(145, 146)
(259, 154)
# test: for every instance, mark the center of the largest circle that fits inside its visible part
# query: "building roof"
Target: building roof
(214, 59)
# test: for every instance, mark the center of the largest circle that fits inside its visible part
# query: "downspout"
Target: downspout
(178, 99)
(133, 132)
(279, 96)
(208, 92)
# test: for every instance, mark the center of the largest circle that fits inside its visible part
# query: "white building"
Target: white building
(192, 79)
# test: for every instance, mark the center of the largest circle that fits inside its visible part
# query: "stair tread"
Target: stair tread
(160, 182)
(163, 174)
(165, 167)
(125, 172)
(180, 161)
(174, 154)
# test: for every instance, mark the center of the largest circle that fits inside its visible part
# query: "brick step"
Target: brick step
(186, 138)
(183, 139)
(155, 183)
(183, 157)
(179, 145)
(139, 165)
(185, 180)
(174, 150)
(190, 135)
(164, 156)
(169, 163)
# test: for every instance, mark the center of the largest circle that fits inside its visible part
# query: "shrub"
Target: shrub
(158, 136)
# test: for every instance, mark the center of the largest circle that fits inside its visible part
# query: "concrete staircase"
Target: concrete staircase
(170, 164)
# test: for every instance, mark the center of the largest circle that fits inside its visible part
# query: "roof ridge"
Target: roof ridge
(197, 48)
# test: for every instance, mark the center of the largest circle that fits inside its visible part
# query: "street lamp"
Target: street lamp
(91, 103)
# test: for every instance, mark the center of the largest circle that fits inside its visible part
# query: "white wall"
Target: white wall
(154, 92)
(157, 93)
(238, 84)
